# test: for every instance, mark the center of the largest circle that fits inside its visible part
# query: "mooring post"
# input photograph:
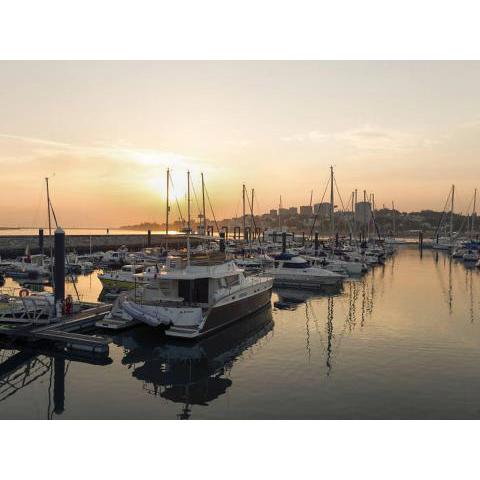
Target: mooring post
(59, 271)
(263, 235)
(420, 240)
(284, 242)
(336, 240)
(40, 240)
(316, 243)
(222, 241)
(303, 238)
(149, 238)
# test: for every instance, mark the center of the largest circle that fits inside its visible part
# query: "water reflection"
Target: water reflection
(329, 316)
(19, 369)
(192, 373)
(388, 345)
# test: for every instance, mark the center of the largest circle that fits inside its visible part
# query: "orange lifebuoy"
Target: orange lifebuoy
(24, 292)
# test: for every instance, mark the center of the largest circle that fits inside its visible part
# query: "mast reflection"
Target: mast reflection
(193, 374)
(20, 368)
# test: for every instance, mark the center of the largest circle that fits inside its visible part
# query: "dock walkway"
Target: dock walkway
(65, 331)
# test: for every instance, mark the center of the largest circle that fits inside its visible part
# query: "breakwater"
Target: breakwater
(15, 245)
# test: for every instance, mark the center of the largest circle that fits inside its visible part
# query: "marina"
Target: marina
(281, 256)
(380, 346)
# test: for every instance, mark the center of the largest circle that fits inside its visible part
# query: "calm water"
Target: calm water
(403, 342)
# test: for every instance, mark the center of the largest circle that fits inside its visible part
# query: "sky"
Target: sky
(105, 133)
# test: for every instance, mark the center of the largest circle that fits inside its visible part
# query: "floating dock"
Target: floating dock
(64, 331)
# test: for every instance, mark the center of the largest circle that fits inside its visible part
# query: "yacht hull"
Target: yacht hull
(226, 314)
(223, 315)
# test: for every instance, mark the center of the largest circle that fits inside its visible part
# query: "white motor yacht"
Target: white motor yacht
(193, 300)
(337, 265)
(123, 279)
(296, 272)
(28, 266)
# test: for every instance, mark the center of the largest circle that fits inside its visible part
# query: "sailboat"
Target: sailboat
(191, 298)
(446, 243)
(393, 239)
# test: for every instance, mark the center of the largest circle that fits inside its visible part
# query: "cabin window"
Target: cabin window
(194, 291)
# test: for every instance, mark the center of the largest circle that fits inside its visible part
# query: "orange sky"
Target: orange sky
(106, 132)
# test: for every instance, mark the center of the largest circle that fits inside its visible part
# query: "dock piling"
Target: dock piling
(40, 240)
(222, 241)
(59, 270)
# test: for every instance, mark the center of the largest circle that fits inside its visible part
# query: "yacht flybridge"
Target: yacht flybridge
(191, 300)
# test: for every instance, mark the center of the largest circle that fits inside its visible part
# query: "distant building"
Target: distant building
(363, 212)
(322, 209)
(306, 210)
(283, 212)
(273, 213)
(293, 211)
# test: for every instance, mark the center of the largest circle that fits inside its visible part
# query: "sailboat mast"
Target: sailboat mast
(204, 220)
(451, 212)
(474, 213)
(279, 215)
(253, 220)
(49, 228)
(188, 201)
(355, 214)
(243, 211)
(393, 214)
(167, 209)
(332, 207)
(188, 214)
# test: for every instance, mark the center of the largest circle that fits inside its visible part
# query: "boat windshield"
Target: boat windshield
(295, 265)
